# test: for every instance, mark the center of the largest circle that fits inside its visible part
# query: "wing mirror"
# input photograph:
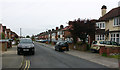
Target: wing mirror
(33, 42)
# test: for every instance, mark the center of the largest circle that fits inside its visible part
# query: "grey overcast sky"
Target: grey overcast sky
(35, 16)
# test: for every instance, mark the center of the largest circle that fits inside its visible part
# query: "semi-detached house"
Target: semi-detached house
(100, 26)
(112, 25)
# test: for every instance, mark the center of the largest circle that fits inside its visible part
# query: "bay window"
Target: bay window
(100, 37)
(115, 37)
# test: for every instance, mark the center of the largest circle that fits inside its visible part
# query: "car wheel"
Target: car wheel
(18, 53)
(60, 50)
(67, 49)
(98, 51)
(33, 53)
(55, 49)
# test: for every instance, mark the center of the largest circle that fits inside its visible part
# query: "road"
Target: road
(46, 57)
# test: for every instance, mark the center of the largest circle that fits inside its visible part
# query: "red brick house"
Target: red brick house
(14, 35)
(1, 30)
(8, 33)
(67, 34)
(4, 32)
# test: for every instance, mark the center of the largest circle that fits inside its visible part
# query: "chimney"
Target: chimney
(103, 10)
(52, 29)
(61, 26)
(49, 30)
(56, 28)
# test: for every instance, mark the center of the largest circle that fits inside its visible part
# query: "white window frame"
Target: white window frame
(100, 25)
(116, 21)
(99, 37)
(113, 37)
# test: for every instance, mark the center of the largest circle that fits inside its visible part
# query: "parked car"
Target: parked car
(38, 40)
(25, 45)
(69, 41)
(95, 47)
(61, 46)
(42, 41)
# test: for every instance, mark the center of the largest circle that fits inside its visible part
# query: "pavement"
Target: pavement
(10, 59)
(93, 57)
(0, 56)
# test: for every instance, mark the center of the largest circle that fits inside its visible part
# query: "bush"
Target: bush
(104, 54)
(82, 46)
(3, 36)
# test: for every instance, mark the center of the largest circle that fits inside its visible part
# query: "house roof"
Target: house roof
(0, 25)
(115, 12)
(8, 30)
(67, 27)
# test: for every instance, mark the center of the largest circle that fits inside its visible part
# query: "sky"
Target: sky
(36, 16)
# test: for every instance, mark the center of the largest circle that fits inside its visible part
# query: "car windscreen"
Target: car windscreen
(108, 42)
(114, 43)
(102, 42)
(26, 41)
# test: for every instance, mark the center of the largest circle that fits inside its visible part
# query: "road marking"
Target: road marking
(27, 65)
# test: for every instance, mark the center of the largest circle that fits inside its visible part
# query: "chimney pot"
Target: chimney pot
(61, 26)
(103, 10)
(56, 28)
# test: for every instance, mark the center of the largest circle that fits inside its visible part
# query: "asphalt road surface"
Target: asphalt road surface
(46, 57)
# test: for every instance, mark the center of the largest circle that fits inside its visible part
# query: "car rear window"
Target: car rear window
(25, 41)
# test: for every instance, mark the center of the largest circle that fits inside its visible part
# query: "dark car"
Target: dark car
(61, 46)
(25, 45)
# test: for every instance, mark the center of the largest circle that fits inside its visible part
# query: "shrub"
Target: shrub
(104, 54)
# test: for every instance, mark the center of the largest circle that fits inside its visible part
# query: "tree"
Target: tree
(33, 37)
(82, 28)
(27, 36)
(2, 36)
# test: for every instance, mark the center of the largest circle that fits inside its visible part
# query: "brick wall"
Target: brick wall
(109, 50)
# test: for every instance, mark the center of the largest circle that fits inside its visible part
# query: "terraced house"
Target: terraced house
(112, 24)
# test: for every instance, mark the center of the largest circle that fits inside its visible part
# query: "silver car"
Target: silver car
(95, 47)
(25, 45)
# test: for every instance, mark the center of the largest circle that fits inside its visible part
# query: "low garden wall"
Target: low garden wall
(3, 45)
(109, 50)
(83, 47)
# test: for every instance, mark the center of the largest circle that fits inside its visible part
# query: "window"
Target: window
(60, 32)
(100, 37)
(101, 25)
(115, 37)
(117, 21)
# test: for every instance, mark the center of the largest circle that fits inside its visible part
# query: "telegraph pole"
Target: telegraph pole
(20, 32)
